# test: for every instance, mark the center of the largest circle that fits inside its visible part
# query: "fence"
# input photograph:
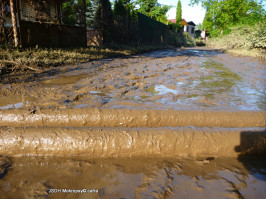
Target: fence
(94, 37)
(6, 30)
(152, 32)
(40, 23)
(142, 31)
(42, 27)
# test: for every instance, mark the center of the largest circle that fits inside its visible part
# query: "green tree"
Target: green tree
(125, 18)
(92, 6)
(207, 23)
(121, 20)
(119, 8)
(97, 17)
(107, 21)
(178, 18)
(199, 26)
(153, 9)
(73, 12)
(221, 14)
(130, 4)
(69, 10)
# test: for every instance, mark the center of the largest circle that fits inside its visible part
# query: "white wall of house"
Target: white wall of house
(203, 34)
(190, 29)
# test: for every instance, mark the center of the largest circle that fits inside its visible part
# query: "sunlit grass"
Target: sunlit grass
(243, 40)
(43, 58)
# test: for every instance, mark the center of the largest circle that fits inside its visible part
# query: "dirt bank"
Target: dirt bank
(130, 118)
(127, 142)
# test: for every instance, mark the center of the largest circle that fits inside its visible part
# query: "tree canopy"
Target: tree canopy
(92, 6)
(119, 8)
(221, 14)
(178, 18)
(153, 9)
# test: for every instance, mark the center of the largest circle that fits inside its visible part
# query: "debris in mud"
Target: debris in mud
(5, 163)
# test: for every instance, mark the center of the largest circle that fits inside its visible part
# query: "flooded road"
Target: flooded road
(185, 123)
(190, 79)
(66, 177)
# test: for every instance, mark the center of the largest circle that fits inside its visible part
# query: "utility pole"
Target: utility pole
(14, 22)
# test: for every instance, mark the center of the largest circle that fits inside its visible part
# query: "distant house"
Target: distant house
(204, 35)
(183, 22)
(172, 20)
(190, 28)
(40, 22)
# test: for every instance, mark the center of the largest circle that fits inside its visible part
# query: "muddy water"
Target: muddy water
(62, 177)
(197, 79)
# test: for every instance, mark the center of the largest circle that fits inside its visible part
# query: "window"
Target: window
(192, 30)
(188, 29)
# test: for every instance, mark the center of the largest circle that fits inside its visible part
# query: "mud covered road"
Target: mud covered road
(185, 123)
(57, 177)
(194, 79)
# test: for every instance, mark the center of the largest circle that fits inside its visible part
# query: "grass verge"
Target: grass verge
(243, 40)
(39, 59)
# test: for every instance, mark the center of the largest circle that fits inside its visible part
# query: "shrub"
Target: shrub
(258, 39)
(200, 42)
(189, 41)
(243, 37)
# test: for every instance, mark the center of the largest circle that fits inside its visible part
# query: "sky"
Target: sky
(190, 13)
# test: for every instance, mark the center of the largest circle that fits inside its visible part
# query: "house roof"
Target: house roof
(183, 21)
(191, 23)
(172, 20)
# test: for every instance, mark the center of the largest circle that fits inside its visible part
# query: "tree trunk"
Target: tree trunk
(2, 22)
(14, 22)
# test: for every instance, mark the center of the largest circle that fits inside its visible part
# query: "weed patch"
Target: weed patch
(38, 59)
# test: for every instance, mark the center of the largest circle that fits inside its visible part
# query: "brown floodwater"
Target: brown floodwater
(82, 177)
(196, 79)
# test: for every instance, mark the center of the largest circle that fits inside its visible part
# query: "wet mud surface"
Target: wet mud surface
(164, 124)
(130, 118)
(196, 79)
(63, 177)
(132, 142)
